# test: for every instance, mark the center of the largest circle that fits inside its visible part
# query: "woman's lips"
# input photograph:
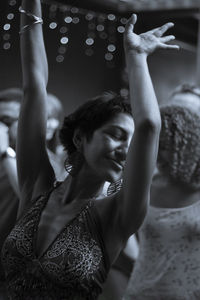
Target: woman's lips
(119, 165)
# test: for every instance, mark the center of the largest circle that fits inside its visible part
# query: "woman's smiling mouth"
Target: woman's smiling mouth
(118, 164)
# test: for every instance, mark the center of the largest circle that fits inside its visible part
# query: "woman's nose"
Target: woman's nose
(121, 152)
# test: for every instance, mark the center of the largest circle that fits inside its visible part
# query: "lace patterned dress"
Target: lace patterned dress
(168, 266)
(73, 267)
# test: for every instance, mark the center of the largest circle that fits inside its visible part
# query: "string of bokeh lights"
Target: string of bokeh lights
(105, 27)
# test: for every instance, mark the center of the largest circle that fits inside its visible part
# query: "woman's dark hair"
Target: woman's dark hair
(90, 116)
(179, 146)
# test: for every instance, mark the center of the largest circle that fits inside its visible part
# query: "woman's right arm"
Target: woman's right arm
(34, 170)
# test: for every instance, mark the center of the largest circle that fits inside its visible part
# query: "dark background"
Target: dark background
(79, 76)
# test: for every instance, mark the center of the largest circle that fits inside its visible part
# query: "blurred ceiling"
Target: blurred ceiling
(151, 13)
(126, 6)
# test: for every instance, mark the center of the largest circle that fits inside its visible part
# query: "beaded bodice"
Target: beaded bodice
(73, 267)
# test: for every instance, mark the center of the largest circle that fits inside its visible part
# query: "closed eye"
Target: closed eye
(115, 136)
(116, 133)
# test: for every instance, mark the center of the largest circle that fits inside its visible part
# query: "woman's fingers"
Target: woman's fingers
(130, 23)
(148, 41)
(168, 47)
(158, 32)
(167, 38)
(134, 18)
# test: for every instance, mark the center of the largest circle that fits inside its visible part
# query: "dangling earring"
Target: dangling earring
(74, 163)
(114, 187)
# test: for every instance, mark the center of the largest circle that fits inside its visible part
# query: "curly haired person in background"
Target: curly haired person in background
(66, 239)
(168, 265)
(9, 112)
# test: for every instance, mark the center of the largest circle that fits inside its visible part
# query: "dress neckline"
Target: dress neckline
(45, 199)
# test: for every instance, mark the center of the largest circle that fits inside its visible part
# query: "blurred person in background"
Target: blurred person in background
(9, 111)
(168, 265)
(10, 100)
(55, 149)
(187, 94)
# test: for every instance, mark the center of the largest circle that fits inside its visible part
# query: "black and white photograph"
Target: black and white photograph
(100, 150)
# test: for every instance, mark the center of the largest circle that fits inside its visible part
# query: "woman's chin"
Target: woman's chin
(113, 176)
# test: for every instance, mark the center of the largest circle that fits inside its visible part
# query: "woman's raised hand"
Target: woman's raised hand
(147, 42)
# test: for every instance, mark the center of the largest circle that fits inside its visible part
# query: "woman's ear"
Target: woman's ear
(78, 139)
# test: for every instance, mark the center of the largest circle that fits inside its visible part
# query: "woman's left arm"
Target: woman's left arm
(133, 199)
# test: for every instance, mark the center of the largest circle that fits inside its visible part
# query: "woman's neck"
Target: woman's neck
(82, 186)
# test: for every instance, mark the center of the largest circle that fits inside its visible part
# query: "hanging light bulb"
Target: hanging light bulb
(10, 16)
(12, 2)
(6, 27)
(53, 25)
